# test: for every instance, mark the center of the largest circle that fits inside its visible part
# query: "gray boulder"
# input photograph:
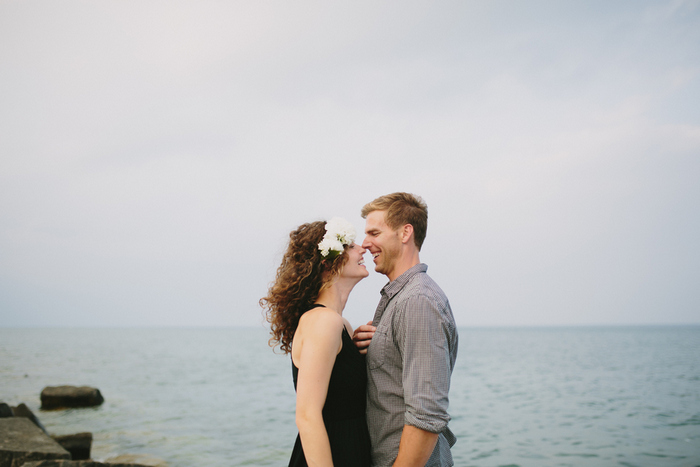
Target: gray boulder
(22, 441)
(78, 445)
(5, 410)
(140, 459)
(60, 397)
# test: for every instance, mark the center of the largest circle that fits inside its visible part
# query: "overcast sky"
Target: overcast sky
(154, 155)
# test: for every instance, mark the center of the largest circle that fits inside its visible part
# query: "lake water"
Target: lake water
(526, 397)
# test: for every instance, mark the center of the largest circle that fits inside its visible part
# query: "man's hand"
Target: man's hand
(415, 447)
(363, 336)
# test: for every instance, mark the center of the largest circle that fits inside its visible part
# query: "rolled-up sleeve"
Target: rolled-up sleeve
(423, 336)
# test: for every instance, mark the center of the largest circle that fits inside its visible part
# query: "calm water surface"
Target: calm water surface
(523, 397)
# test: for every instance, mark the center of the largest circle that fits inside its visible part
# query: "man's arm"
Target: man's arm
(420, 333)
(416, 447)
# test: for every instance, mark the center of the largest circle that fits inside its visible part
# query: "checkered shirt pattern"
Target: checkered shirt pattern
(409, 365)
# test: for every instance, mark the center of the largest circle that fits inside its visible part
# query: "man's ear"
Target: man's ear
(406, 233)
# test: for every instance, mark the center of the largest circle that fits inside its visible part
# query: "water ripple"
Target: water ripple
(519, 397)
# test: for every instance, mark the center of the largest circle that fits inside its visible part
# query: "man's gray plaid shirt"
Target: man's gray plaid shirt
(409, 364)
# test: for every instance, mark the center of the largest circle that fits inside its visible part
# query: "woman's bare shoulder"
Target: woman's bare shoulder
(321, 318)
(320, 328)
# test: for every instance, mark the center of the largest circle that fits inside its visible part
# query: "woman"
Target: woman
(304, 306)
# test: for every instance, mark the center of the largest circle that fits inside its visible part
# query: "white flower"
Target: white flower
(339, 232)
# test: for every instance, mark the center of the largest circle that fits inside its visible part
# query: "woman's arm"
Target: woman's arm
(321, 340)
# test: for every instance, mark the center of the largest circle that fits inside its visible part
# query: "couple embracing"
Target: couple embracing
(378, 395)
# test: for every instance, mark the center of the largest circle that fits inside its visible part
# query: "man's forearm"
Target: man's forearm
(415, 447)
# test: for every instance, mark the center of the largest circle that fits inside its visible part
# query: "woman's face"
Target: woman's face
(355, 266)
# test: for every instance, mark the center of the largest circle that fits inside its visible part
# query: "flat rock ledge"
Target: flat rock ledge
(77, 464)
(21, 441)
(61, 397)
(23, 411)
(25, 443)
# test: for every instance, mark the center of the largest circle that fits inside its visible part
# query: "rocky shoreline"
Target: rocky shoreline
(25, 442)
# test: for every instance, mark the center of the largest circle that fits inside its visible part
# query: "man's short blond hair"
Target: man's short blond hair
(401, 209)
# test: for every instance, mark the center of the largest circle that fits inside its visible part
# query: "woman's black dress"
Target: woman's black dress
(344, 410)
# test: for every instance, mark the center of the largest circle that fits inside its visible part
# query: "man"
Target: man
(411, 344)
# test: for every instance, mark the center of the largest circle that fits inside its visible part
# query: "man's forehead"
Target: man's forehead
(375, 221)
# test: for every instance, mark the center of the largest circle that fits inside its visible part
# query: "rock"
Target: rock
(23, 411)
(5, 410)
(78, 445)
(22, 441)
(77, 464)
(59, 397)
(140, 459)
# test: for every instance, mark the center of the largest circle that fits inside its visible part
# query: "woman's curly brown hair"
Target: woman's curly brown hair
(299, 280)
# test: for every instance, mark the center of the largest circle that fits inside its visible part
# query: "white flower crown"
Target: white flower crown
(339, 233)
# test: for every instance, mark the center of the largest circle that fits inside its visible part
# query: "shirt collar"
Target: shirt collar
(395, 286)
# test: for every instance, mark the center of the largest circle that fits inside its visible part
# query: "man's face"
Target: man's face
(382, 242)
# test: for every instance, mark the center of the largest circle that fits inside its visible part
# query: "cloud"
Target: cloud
(155, 156)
